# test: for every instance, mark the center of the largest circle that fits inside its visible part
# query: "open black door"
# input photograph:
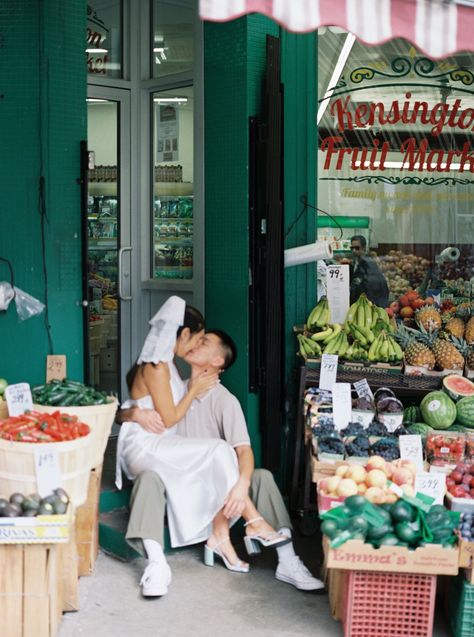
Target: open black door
(266, 259)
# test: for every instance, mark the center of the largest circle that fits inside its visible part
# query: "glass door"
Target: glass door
(108, 239)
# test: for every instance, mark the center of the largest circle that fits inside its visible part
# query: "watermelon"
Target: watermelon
(457, 386)
(419, 429)
(457, 427)
(465, 411)
(439, 411)
(412, 414)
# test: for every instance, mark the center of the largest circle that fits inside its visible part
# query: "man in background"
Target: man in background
(366, 276)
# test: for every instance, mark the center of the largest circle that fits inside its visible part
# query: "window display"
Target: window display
(172, 37)
(104, 38)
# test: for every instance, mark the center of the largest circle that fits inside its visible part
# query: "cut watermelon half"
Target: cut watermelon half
(458, 386)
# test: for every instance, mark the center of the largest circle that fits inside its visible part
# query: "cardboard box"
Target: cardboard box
(327, 502)
(335, 583)
(3, 410)
(320, 469)
(355, 555)
(87, 526)
(29, 602)
(466, 554)
(68, 574)
(43, 529)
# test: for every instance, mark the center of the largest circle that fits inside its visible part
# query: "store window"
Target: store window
(395, 163)
(173, 169)
(172, 37)
(104, 38)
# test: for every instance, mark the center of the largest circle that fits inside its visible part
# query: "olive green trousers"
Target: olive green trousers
(148, 503)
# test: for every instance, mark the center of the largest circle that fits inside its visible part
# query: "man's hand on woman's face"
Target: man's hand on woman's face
(150, 420)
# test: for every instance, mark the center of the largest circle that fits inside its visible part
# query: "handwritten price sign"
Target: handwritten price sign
(55, 367)
(18, 399)
(48, 473)
(327, 375)
(341, 405)
(337, 284)
(411, 448)
(432, 484)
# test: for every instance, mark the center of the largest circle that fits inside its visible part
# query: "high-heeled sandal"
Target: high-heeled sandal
(270, 538)
(209, 553)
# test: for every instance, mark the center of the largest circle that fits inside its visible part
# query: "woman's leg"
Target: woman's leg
(220, 536)
(257, 526)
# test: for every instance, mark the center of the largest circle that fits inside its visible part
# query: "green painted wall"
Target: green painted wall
(234, 58)
(42, 120)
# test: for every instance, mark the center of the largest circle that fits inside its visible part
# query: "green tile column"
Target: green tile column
(42, 121)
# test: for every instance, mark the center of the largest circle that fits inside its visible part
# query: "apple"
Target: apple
(361, 488)
(456, 476)
(356, 472)
(402, 476)
(376, 478)
(341, 470)
(375, 495)
(333, 483)
(375, 462)
(406, 312)
(346, 487)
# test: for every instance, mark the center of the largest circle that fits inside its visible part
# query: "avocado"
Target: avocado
(60, 507)
(45, 508)
(15, 507)
(62, 495)
(17, 498)
(3, 503)
(10, 511)
(30, 505)
(29, 513)
(35, 496)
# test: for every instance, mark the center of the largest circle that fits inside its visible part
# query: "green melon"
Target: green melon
(438, 410)
(456, 426)
(419, 429)
(465, 412)
(457, 386)
(411, 414)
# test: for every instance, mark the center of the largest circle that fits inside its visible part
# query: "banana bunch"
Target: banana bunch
(361, 334)
(319, 315)
(364, 313)
(385, 349)
(307, 347)
(337, 343)
(356, 352)
(109, 303)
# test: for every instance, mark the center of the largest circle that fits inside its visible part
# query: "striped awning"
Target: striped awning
(436, 27)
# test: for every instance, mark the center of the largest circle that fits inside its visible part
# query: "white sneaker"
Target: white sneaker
(293, 571)
(156, 579)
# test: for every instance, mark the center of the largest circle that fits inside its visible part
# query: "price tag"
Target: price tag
(18, 398)
(411, 448)
(395, 488)
(341, 404)
(337, 285)
(48, 473)
(432, 484)
(55, 367)
(327, 375)
(363, 390)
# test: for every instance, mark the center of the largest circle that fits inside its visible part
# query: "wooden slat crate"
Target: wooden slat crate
(87, 526)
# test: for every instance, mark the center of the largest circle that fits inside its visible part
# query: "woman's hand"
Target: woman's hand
(204, 382)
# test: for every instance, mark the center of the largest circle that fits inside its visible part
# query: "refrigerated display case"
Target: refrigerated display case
(173, 223)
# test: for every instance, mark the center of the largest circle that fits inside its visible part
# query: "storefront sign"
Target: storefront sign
(96, 51)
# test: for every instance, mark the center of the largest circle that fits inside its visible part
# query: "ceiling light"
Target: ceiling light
(97, 50)
(96, 100)
(169, 100)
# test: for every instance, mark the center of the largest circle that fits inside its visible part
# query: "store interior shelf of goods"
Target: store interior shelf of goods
(173, 188)
(106, 188)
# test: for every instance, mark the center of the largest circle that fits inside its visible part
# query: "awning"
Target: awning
(436, 27)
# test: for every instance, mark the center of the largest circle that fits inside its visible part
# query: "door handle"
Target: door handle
(120, 273)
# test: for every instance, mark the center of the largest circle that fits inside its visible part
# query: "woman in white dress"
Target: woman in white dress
(198, 474)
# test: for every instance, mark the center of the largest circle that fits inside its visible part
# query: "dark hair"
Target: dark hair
(362, 240)
(229, 348)
(192, 319)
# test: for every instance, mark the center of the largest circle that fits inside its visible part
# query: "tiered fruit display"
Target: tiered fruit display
(402, 270)
(408, 304)
(365, 336)
(371, 481)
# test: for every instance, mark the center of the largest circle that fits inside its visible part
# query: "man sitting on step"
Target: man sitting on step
(217, 414)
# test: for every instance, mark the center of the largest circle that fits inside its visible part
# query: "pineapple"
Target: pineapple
(429, 318)
(415, 352)
(470, 359)
(447, 355)
(469, 331)
(455, 326)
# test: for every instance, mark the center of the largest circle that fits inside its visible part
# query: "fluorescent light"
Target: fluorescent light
(96, 100)
(97, 50)
(157, 60)
(168, 100)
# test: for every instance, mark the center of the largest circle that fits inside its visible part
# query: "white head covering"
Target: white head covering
(161, 340)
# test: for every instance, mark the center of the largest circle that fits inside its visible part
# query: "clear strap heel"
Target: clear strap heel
(271, 538)
(210, 553)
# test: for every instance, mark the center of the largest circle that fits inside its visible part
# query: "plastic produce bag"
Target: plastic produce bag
(26, 305)
(6, 295)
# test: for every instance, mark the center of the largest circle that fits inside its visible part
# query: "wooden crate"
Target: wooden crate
(29, 603)
(87, 526)
(68, 574)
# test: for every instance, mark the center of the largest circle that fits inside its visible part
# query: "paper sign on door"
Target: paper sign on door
(337, 285)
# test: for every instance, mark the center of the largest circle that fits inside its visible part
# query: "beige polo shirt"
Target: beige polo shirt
(217, 414)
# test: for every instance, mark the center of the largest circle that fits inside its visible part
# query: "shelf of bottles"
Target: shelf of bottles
(173, 235)
(102, 223)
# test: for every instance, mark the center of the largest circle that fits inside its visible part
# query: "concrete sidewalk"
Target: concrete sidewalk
(203, 601)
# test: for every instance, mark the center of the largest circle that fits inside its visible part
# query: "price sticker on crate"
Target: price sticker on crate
(48, 472)
(328, 371)
(341, 404)
(337, 286)
(18, 399)
(432, 484)
(411, 448)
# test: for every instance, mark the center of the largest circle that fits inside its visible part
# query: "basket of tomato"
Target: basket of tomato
(60, 433)
(445, 448)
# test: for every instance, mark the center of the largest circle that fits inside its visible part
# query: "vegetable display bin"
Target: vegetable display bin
(18, 472)
(460, 606)
(389, 604)
(100, 419)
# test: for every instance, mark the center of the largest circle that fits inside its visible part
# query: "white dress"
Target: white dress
(197, 473)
